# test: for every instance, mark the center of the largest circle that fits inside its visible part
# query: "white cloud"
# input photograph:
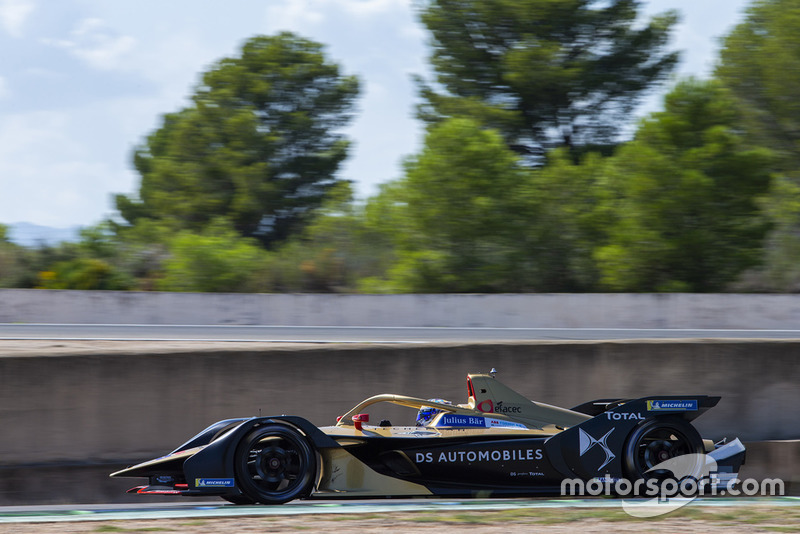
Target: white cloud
(295, 14)
(14, 14)
(371, 8)
(97, 44)
(302, 15)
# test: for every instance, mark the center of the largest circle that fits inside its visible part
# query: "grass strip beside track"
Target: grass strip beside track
(745, 519)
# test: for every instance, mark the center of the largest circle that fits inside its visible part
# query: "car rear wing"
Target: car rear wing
(688, 407)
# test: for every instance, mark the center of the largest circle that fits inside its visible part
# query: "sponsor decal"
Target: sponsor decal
(462, 420)
(587, 443)
(419, 433)
(496, 423)
(622, 416)
(213, 482)
(511, 408)
(671, 405)
(477, 422)
(478, 456)
(486, 406)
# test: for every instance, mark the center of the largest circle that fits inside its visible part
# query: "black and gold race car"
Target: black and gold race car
(497, 444)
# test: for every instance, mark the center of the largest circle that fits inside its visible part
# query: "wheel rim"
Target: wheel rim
(659, 445)
(274, 464)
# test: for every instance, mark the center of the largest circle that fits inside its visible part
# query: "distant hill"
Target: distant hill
(31, 235)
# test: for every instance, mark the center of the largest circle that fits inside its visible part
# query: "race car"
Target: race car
(498, 443)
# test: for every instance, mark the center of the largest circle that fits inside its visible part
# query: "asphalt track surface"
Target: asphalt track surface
(359, 334)
(213, 509)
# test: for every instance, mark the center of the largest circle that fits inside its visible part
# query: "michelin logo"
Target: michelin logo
(213, 482)
(671, 405)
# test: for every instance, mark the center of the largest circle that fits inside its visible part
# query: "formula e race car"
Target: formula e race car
(497, 444)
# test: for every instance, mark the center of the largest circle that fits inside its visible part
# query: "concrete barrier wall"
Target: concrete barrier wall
(122, 406)
(524, 310)
(100, 409)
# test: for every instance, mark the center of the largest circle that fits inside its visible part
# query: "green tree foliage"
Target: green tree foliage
(218, 260)
(567, 224)
(456, 216)
(83, 273)
(685, 206)
(141, 250)
(760, 63)
(337, 250)
(545, 73)
(259, 144)
(91, 263)
(11, 260)
(685, 195)
(469, 218)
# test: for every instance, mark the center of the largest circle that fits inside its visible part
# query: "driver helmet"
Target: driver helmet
(426, 414)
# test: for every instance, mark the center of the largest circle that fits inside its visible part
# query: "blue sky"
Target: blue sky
(82, 82)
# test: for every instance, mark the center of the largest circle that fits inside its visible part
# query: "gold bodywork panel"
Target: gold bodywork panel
(342, 472)
(492, 396)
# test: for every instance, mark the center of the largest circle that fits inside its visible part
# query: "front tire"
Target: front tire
(275, 464)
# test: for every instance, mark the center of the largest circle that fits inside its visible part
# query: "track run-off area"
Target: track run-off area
(351, 508)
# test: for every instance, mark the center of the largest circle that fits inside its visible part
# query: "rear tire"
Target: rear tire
(655, 441)
(275, 464)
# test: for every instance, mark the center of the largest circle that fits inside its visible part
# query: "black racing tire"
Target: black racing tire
(275, 464)
(238, 499)
(657, 440)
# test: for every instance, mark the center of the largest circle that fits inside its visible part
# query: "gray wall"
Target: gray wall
(96, 407)
(525, 310)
